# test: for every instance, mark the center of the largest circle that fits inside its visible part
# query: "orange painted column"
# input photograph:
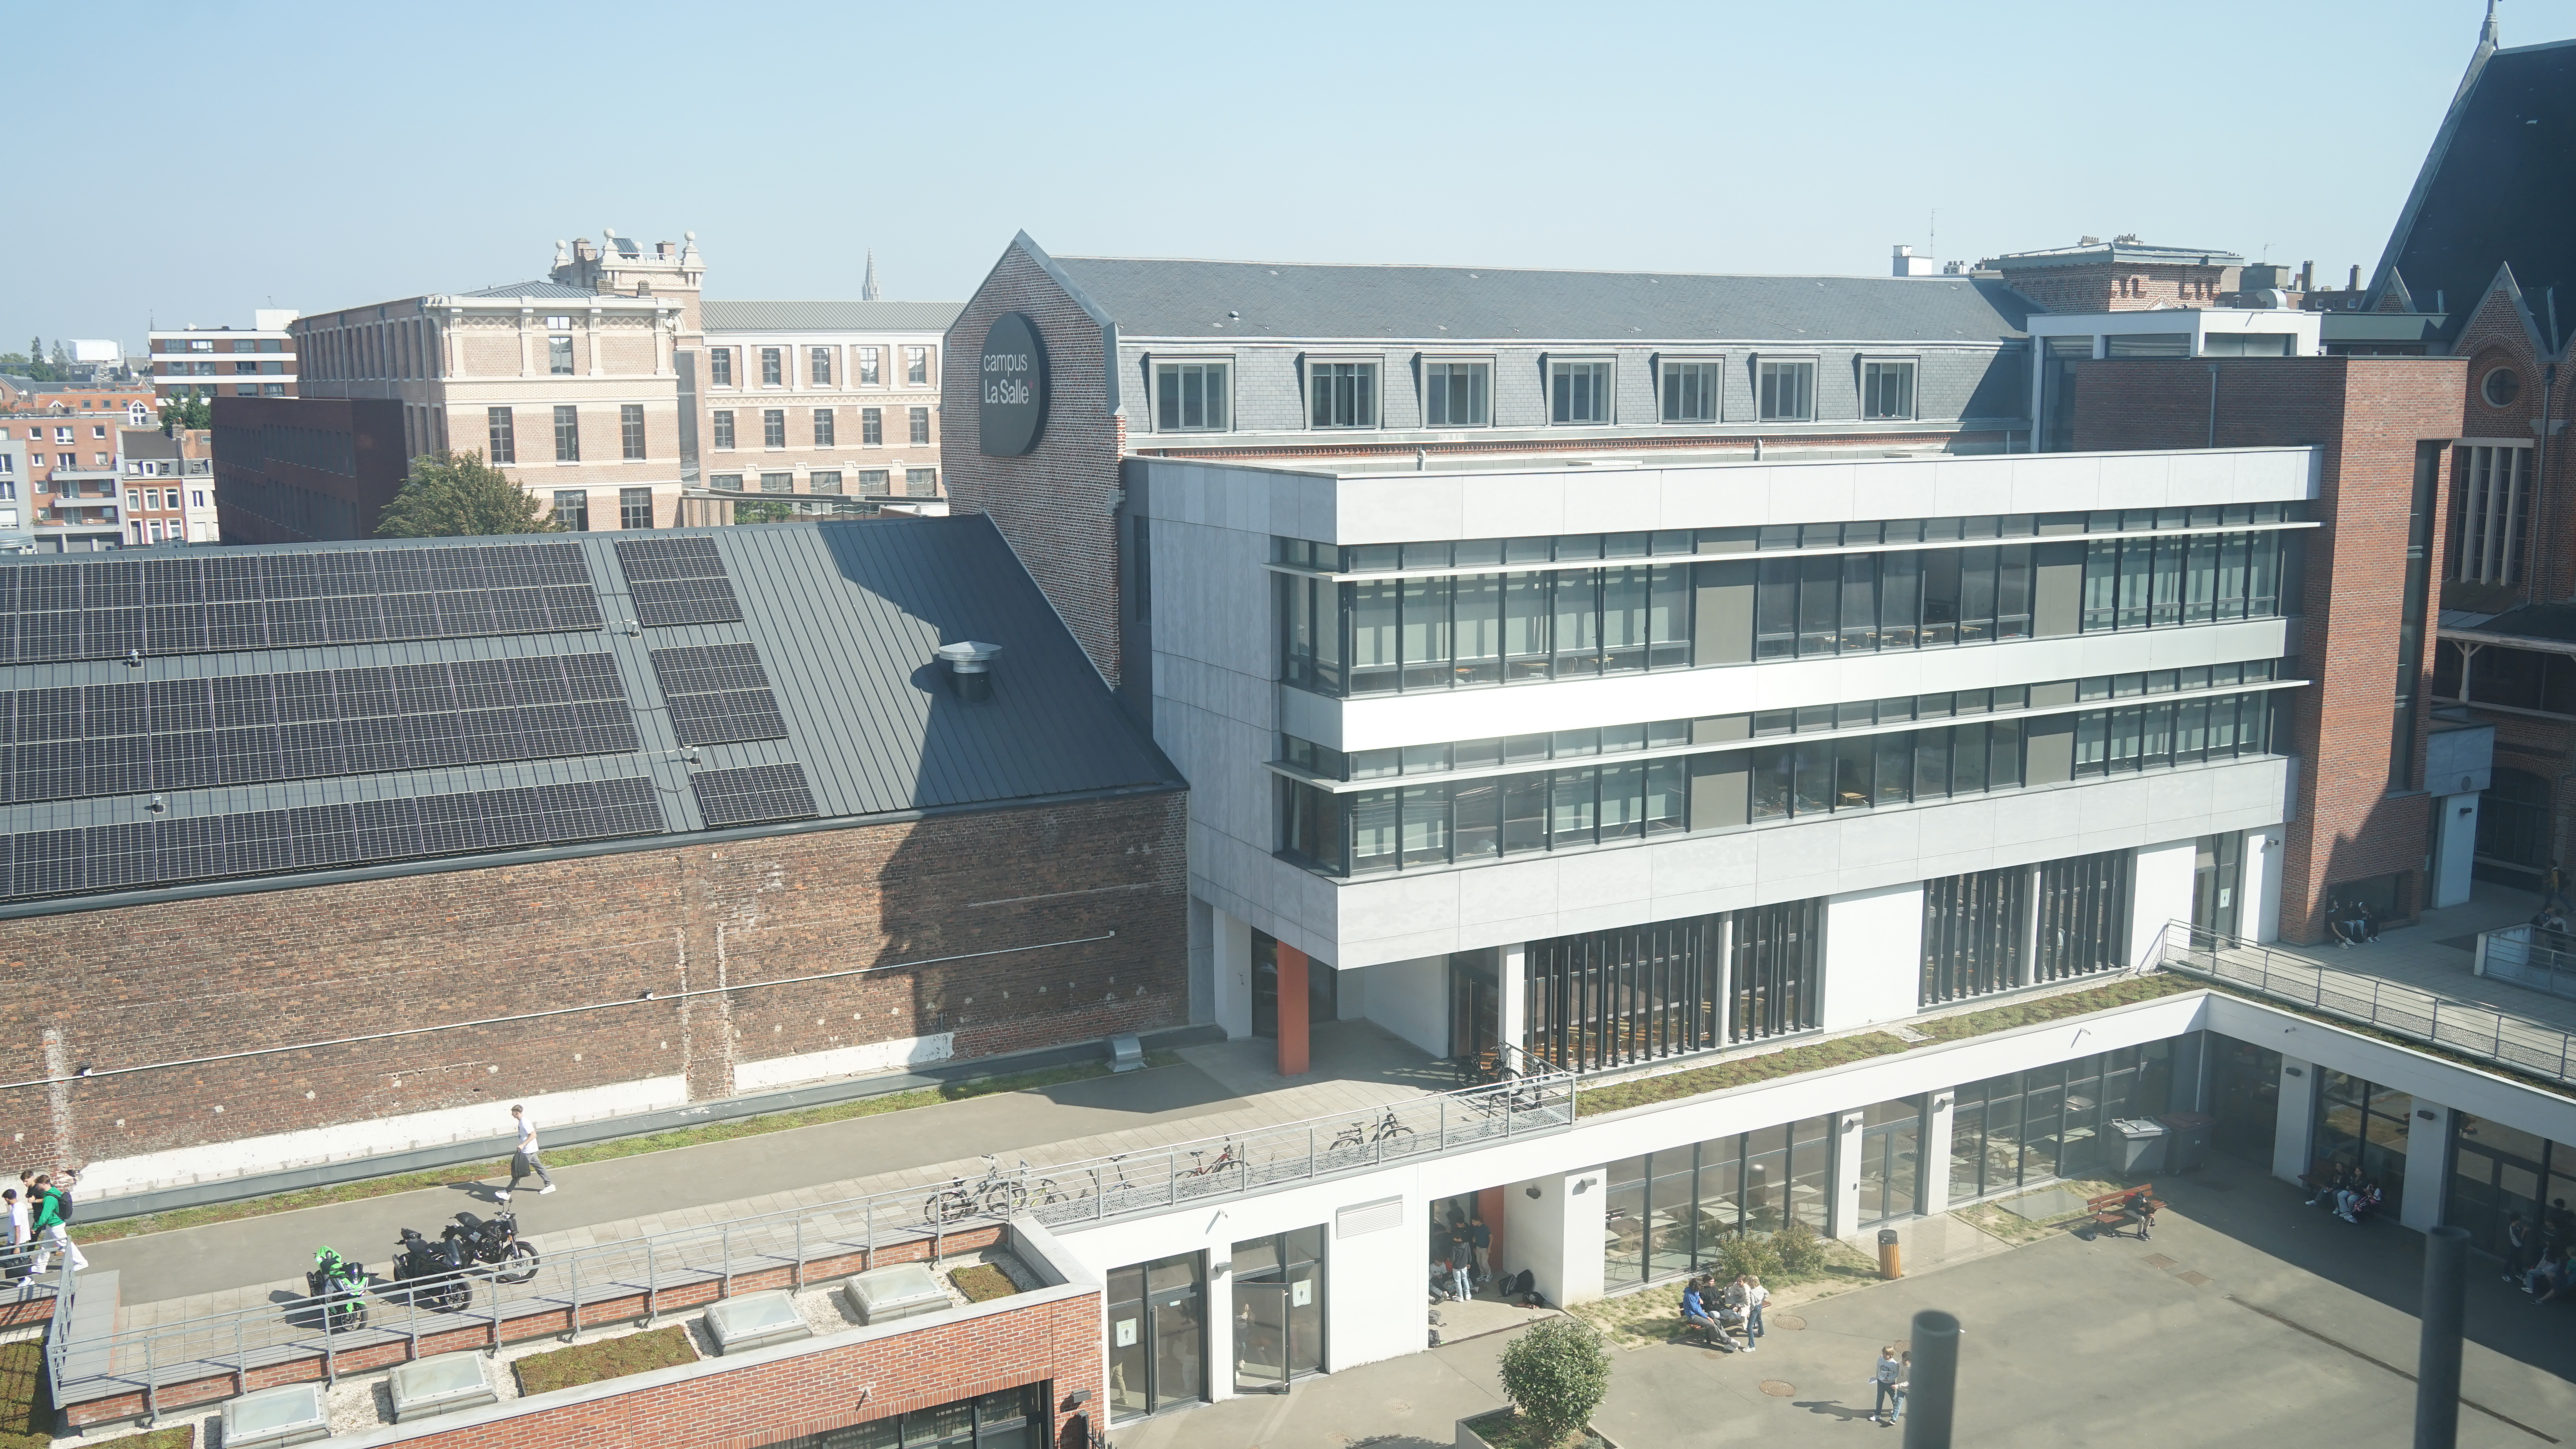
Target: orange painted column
(1489, 1206)
(1292, 1011)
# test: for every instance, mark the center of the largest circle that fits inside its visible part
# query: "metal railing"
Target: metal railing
(2391, 1006)
(215, 1355)
(2528, 956)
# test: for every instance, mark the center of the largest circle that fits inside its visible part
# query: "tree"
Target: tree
(188, 410)
(452, 495)
(762, 510)
(1555, 1375)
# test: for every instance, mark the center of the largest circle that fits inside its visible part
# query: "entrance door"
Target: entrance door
(1278, 1309)
(2217, 881)
(1156, 1335)
(1891, 1157)
(1475, 1014)
(1260, 1336)
(1265, 985)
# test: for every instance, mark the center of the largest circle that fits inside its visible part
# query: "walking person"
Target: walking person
(19, 1231)
(2518, 1242)
(1904, 1379)
(1755, 1297)
(526, 1160)
(1883, 1381)
(1480, 1241)
(53, 1218)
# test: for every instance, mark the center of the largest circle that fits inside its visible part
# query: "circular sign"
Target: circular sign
(1012, 374)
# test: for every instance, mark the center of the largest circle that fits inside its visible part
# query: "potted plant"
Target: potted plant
(1554, 1375)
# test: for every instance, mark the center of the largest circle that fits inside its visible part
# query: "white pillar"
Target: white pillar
(2030, 925)
(2455, 840)
(2259, 919)
(1220, 1316)
(1558, 1234)
(1511, 1006)
(2159, 892)
(1725, 969)
(2427, 1149)
(1843, 1216)
(1873, 956)
(2298, 1114)
(1932, 1192)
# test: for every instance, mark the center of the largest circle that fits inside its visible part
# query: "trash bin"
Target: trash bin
(2140, 1144)
(1890, 1262)
(2186, 1139)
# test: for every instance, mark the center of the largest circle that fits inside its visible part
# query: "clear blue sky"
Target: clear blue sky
(329, 155)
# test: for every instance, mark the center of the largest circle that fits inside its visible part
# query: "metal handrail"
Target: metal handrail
(232, 1343)
(2482, 1032)
(2527, 956)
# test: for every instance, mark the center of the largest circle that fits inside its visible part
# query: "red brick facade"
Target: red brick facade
(195, 979)
(2366, 415)
(1057, 504)
(2102, 286)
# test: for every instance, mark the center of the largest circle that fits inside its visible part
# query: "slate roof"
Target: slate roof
(531, 289)
(2498, 188)
(718, 316)
(840, 619)
(1150, 298)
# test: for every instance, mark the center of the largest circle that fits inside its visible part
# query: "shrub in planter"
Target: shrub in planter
(1555, 1375)
(1746, 1256)
(1801, 1252)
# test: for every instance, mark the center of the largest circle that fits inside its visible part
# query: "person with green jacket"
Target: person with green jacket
(53, 1212)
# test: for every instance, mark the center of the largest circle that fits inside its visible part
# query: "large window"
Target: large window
(720, 367)
(572, 510)
(1342, 394)
(1886, 390)
(2025, 1128)
(823, 433)
(2084, 915)
(773, 427)
(920, 482)
(1009, 1419)
(773, 367)
(723, 427)
(630, 429)
(2493, 486)
(567, 433)
(559, 356)
(1972, 933)
(1787, 391)
(505, 439)
(823, 480)
(1190, 397)
(1667, 1213)
(2198, 578)
(918, 426)
(1157, 1335)
(634, 508)
(2498, 1171)
(1690, 392)
(777, 482)
(819, 366)
(2361, 1124)
(916, 366)
(1578, 393)
(872, 427)
(1454, 394)
(1615, 998)
(871, 374)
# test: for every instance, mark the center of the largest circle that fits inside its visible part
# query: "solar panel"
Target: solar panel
(753, 794)
(693, 557)
(716, 693)
(186, 734)
(677, 581)
(129, 855)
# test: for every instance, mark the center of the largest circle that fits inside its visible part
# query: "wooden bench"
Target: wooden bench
(2113, 1209)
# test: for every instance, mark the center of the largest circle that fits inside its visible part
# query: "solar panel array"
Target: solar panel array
(718, 692)
(219, 603)
(753, 795)
(187, 734)
(678, 581)
(317, 837)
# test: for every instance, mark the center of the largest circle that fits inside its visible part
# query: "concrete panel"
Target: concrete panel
(1873, 956)
(2427, 1152)
(1402, 507)
(2159, 891)
(2297, 1115)
(1411, 999)
(1557, 1235)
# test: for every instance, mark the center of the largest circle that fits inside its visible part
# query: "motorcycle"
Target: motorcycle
(339, 1285)
(495, 1240)
(431, 1272)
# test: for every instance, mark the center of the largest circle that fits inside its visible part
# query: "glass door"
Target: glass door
(1156, 1333)
(1278, 1309)
(2216, 882)
(1260, 1335)
(1475, 1014)
(1890, 1160)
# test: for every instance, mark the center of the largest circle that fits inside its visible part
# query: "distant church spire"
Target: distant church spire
(868, 288)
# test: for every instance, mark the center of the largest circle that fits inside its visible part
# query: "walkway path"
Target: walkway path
(1220, 1088)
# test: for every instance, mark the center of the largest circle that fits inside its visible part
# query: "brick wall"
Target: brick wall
(2366, 415)
(202, 978)
(2104, 287)
(1058, 503)
(1058, 1343)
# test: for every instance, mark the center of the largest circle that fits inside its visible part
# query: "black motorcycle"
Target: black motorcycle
(339, 1285)
(495, 1240)
(431, 1273)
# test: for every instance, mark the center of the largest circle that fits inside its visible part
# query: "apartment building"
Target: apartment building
(169, 486)
(226, 361)
(73, 433)
(833, 405)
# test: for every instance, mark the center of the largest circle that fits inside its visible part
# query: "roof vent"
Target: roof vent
(970, 669)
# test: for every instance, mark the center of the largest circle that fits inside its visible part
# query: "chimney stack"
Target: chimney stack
(970, 669)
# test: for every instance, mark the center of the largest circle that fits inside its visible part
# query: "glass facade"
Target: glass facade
(1972, 933)
(1891, 1160)
(1668, 1211)
(2365, 1125)
(1279, 1287)
(1614, 998)
(2025, 1128)
(2083, 915)
(2497, 1171)
(1157, 1335)
(1515, 610)
(2245, 1098)
(1011, 1419)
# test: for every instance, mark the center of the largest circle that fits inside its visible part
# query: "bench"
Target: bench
(1722, 1338)
(2113, 1209)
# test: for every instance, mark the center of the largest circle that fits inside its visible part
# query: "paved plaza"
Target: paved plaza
(2248, 1320)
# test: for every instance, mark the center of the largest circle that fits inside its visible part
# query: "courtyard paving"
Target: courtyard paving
(2249, 1319)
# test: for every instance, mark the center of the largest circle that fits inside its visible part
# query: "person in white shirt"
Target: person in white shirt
(1883, 1381)
(19, 1231)
(526, 1160)
(1755, 1296)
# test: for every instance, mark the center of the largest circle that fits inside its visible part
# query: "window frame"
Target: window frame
(1154, 366)
(1664, 362)
(1913, 366)
(1808, 360)
(1609, 389)
(773, 367)
(1376, 400)
(869, 364)
(719, 367)
(579, 521)
(1426, 361)
(631, 431)
(559, 349)
(501, 433)
(773, 428)
(827, 428)
(872, 427)
(818, 366)
(626, 505)
(916, 365)
(567, 443)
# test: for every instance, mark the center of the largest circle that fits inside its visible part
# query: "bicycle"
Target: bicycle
(1226, 1160)
(1356, 1135)
(998, 1195)
(1117, 1164)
